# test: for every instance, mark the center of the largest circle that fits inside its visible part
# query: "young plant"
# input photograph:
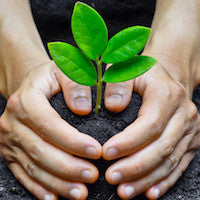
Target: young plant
(91, 35)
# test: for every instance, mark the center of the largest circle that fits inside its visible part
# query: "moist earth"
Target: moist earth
(102, 127)
(53, 21)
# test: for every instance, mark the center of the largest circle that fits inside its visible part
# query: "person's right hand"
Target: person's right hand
(38, 146)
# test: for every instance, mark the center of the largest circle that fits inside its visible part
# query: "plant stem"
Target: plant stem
(99, 86)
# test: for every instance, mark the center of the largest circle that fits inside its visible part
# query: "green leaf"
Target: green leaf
(129, 69)
(126, 44)
(73, 63)
(89, 30)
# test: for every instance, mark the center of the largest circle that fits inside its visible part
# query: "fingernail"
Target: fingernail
(86, 174)
(81, 102)
(117, 98)
(91, 151)
(112, 153)
(75, 193)
(48, 197)
(155, 191)
(116, 176)
(129, 190)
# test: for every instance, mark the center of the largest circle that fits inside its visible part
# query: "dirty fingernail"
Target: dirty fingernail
(48, 197)
(155, 191)
(82, 102)
(116, 98)
(86, 174)
(91, 151)
(116, 176)
(112, 153)
(75, 193)
(129, 190)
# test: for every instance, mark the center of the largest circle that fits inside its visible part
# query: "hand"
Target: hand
(163, 140)
(160, 144)
(38, 146)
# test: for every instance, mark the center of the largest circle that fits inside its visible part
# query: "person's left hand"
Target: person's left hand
(162, 141)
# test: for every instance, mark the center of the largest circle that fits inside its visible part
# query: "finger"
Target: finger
(154, 177)
(35, 188)
(161, 188)
(195, 143)
(59, 186)
(118, 95)
(53, 159)
(154, 115)
(77, 97)
(46, 122)
(154, 154)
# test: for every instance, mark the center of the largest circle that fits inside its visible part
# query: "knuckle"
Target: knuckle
(123, 85)
(178, 91)
(173, 162)
(68, 83)
(138, 168)
(35, 151)
(166, 148)
(13, 153)
(64, 169)
(13, 104)
(4, 128)
(15, 139)
(148, 182)
(19, 177)
(17, 104)
(47, 126)
(7, 155)
(157, 124)
(31, 169)
(193, 112)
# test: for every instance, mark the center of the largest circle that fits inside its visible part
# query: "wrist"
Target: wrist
(21, 48)
(19, 53)
(174, 40)
(183, 71)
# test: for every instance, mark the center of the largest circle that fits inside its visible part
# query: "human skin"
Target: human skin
(37, 145)
(163, 140)
(159, 144)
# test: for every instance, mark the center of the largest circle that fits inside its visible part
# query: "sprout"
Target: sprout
(91, 35)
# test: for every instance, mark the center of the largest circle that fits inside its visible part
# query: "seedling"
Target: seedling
(91, 35)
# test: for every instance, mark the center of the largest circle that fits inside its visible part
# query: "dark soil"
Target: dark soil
(50, 16)
(102, 127)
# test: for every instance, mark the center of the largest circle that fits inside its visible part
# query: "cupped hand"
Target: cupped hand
(159, 145)
(38, 146)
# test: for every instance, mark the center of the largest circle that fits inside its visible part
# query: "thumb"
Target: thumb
(77, 97)
(118, 95)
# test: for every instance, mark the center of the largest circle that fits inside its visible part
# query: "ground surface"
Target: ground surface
(102, 127)
(50, 17)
